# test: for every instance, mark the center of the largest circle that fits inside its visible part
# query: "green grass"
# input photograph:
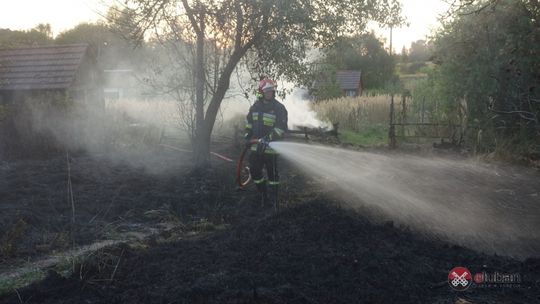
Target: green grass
(9, 285)
(30, 274)
(373, 135)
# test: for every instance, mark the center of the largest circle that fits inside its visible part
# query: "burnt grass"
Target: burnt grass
(314, 250)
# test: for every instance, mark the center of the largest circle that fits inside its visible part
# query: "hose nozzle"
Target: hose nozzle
(262, 144)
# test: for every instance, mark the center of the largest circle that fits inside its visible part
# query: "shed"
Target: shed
(350, 82)
(341, 82)
(70, 69)
(36, 83)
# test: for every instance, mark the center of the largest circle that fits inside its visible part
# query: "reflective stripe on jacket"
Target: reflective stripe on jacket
(266, 119)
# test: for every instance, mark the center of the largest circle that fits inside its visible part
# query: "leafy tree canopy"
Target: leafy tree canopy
(112, 49)
(420, 51)
(488, 54)
(40, 35)
(276, 34)
(364, 52)
(270, 36)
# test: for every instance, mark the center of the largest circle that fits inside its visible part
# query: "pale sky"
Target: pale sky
(422, 16)
(65, 14)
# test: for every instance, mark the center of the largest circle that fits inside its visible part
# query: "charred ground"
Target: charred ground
(218, 245)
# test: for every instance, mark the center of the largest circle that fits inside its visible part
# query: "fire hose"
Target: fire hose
(222, 157)
(262, 144)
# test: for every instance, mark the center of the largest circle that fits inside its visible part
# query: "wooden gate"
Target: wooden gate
(402, 129)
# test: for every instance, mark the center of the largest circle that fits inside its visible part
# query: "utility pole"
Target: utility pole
(391, 40)
(392, 131)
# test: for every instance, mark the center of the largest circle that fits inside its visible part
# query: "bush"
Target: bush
(412, 68)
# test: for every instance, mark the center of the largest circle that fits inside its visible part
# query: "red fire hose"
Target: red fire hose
(243, 182)
(222, 157)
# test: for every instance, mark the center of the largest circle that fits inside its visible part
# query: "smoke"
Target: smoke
(160, 113)
(130, 130)
(297, 104)
(125, 132)
(300, 113)
(484, 208)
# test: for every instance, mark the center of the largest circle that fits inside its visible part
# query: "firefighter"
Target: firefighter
(267, 122)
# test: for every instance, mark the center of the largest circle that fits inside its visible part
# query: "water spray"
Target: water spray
(482, 207)
(262, 144)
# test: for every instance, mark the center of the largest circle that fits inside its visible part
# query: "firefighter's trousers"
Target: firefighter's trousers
(258, 162)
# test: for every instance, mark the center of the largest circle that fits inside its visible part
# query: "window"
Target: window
(112, 93)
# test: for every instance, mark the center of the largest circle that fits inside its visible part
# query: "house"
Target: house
(350, 82)
(36, 85)
(331, 84)
(66, 69)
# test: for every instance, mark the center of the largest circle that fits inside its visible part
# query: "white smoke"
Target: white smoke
(297, 101)
(300, 113)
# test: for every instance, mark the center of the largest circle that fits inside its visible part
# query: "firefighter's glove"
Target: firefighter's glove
(262, 144)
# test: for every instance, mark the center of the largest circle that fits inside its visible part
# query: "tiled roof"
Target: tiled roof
(36, 68)
(348, 80)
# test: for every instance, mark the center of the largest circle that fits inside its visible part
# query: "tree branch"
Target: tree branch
(191, 17)
(523, 114)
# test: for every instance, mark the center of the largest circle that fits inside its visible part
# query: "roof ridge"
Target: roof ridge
(45, 46)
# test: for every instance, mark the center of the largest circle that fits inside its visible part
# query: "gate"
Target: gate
(404, 128)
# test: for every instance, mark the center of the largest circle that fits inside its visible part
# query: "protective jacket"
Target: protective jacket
(266, 119)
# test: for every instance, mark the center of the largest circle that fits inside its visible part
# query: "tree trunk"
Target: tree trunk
(201, 146)
(201, 149)
(202, 140)
(205, 123)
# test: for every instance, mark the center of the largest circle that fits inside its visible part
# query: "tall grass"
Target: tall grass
(355, 113)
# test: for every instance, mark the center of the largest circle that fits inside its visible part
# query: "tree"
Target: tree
(104, 42)
(488, 55)
(41, 35)
(270, 36)
(419, 51)
(362, 52)
(45, 29)
(404, 55)
(324, 85)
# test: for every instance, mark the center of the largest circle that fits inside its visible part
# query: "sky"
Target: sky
(422, 18)
(65, 14)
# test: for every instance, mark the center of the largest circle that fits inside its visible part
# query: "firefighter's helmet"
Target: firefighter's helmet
(267, 84)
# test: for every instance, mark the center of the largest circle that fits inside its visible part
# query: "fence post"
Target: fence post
(392, 131)
(404, 108)
(403, 115)
(423, 108)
